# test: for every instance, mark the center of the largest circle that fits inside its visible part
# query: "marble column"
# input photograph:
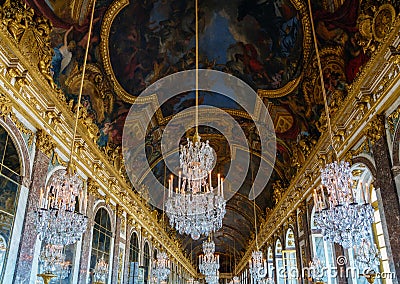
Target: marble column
(387, 193)
(86, 240)
(44, 148)
(115, 260)
(127, 250)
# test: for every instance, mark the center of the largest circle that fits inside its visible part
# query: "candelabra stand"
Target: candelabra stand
(47, 277)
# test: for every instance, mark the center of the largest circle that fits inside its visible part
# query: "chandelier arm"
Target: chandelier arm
(197, 70)
(81, 87)
(322, 80)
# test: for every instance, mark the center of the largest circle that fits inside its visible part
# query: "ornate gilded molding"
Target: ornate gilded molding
(44, 142)
(375, 128)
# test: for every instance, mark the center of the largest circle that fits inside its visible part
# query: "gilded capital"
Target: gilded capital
(5, 106)
(376, 128)
(44, 142)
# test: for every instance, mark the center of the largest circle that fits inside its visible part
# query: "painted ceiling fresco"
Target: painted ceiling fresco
(259, 42)
(265, 43)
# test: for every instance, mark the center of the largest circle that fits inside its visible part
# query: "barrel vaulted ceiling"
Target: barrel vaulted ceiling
(265, 43)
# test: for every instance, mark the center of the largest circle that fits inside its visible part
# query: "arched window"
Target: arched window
(289, 258)
(270, 260)
(279, 262)
(365, 190)
(323, 250)
(10, 181)
(133, 259)
(101, 241)
(146, 262)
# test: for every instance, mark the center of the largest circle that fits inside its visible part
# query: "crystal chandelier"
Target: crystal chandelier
(209, 262)
(57, 221)
(266, 281)
(195, 207)
(341, 219)
(100, 271)
(367, 257)
(51, 258)
(212, 279)
(161, 267)
(235, 280)
(257, 266)
(316, 270)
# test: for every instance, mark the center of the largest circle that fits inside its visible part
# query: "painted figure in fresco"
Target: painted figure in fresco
(62, 57)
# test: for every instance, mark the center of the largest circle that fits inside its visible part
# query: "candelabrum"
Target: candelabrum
(266, 281)
(195, 207)
(52, 259)
(192, 281)
(100, 271)
(57, 220)
(209, 262)
(316, 271)
(235, 280)
(161, 267)
(257, 266)
(341, 219)
(368, 259)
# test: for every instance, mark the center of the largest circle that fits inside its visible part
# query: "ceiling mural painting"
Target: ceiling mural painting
(260, 42)
(265, 43)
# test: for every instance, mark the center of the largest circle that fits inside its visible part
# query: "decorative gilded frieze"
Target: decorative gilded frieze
(44, 142)
(376, 128)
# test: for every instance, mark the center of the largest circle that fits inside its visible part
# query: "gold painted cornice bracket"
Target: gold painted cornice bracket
(5, 106)
(376, 128)
(44, 142)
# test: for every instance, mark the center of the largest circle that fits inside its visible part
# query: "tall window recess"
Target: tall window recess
(363, 177)
(10, 181)
(133, 259)
(270, 262)
(323, 250)
(279, 263)
(289, 259)
(146, 262)
(101, 241)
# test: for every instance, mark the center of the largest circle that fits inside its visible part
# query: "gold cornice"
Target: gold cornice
(44, 142)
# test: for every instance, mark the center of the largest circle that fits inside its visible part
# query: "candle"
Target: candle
(179, 180)
(323, 195)
(209, 179)
(222, 188)
(362, 192)
(40, 198)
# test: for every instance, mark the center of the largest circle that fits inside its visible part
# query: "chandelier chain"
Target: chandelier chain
(328, 120)
(81, 87)
(197, 69)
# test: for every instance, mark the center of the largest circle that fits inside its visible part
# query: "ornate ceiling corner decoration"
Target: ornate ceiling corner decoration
(332, 59)
(278, 190)
(44, 142)
(393, 120)
(32, 35)
(376, 129)
(108, 19)
(374, 24)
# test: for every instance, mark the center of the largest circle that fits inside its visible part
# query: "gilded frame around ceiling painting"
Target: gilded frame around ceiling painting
(117, 6)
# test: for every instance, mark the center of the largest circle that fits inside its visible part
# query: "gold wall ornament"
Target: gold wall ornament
(44, 142)
(393, 120)
(32, 35)
(374, 23)
(376, 128)
(278, 190)
(5, 106)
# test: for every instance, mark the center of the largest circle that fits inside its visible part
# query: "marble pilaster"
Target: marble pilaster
(115, 261)
(29, 233)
